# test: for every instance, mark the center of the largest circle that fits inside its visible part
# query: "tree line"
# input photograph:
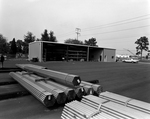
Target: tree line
(21, 46)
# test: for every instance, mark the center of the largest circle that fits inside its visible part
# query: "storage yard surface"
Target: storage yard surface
(131, 80)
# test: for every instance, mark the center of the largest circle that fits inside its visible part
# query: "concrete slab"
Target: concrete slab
(11, 91)
(27, 107)
(6, 79)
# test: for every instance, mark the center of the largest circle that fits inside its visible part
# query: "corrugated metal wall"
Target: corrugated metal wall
(35, 50)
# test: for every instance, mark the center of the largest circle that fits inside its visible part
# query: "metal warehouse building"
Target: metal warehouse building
(52, 51)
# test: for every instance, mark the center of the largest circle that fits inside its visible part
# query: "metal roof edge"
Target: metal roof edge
(72, 44)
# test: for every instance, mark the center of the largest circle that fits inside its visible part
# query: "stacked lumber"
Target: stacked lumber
(129, 102)
(41, 94)
(92, 107)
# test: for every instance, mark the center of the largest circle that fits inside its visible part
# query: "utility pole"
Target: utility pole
(78, 30)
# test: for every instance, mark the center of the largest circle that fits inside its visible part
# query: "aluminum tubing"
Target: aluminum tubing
(70, 93)
(81, 108)
(31, 65)
(89, 103)
(124, 111)
(79, 92)
(97, 88)
(59, 95)
(64, 78)
(76, 113)
(133, 103)
(94, 99)
(42, 95)
(88, 89)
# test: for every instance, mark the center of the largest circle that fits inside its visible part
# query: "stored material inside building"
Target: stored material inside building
(51, 51)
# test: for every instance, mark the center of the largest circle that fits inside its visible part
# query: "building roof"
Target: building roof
(71, 44)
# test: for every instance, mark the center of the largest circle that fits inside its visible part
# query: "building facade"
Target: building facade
(52, 51)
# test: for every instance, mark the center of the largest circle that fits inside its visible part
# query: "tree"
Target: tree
(13, 46)
(142, 45)
(73, 41)
(28, 39)
(19, 45)
(4, 47)
(91, 42)
(45, 36)
(38, 39)
(52, 38)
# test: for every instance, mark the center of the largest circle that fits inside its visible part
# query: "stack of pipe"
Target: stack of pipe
(79, 90)
(97, 88)
(93, 107)
(93, 101)
(31, 65)
(122, 111)
(58, 94)
(77, 110)
(64, 78)
(113, 108)
(88, 89)
(70, 93)
(40, 93)
(129, 102)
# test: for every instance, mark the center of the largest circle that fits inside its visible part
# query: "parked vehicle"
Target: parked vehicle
(130, 60)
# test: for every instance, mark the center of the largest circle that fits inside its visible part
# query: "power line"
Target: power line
(105, 26)
(118, 21)
(110, 24)
(117, 30)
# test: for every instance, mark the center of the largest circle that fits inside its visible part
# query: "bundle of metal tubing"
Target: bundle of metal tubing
(70, 93)
(88, 89)
(31, 65)
(93, 101)
(79, 90)
(129, 102)
(64, 78)
(112, 108)
(77, 110)
(59, 95)
(97, 88)
(41, 94)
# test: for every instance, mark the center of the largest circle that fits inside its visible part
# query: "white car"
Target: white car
(130, 60)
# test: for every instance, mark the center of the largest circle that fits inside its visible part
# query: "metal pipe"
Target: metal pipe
(70, 93)
(58, 94)
(97, 88)
(133, 103)
(88, 89)
(64, 78)
(41, 94)
(31, 65)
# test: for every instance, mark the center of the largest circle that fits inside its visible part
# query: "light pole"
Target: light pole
(78, 30)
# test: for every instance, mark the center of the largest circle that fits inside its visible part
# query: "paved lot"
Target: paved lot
(132, 80)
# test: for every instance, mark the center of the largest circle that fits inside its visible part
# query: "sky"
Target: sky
(115, 24)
